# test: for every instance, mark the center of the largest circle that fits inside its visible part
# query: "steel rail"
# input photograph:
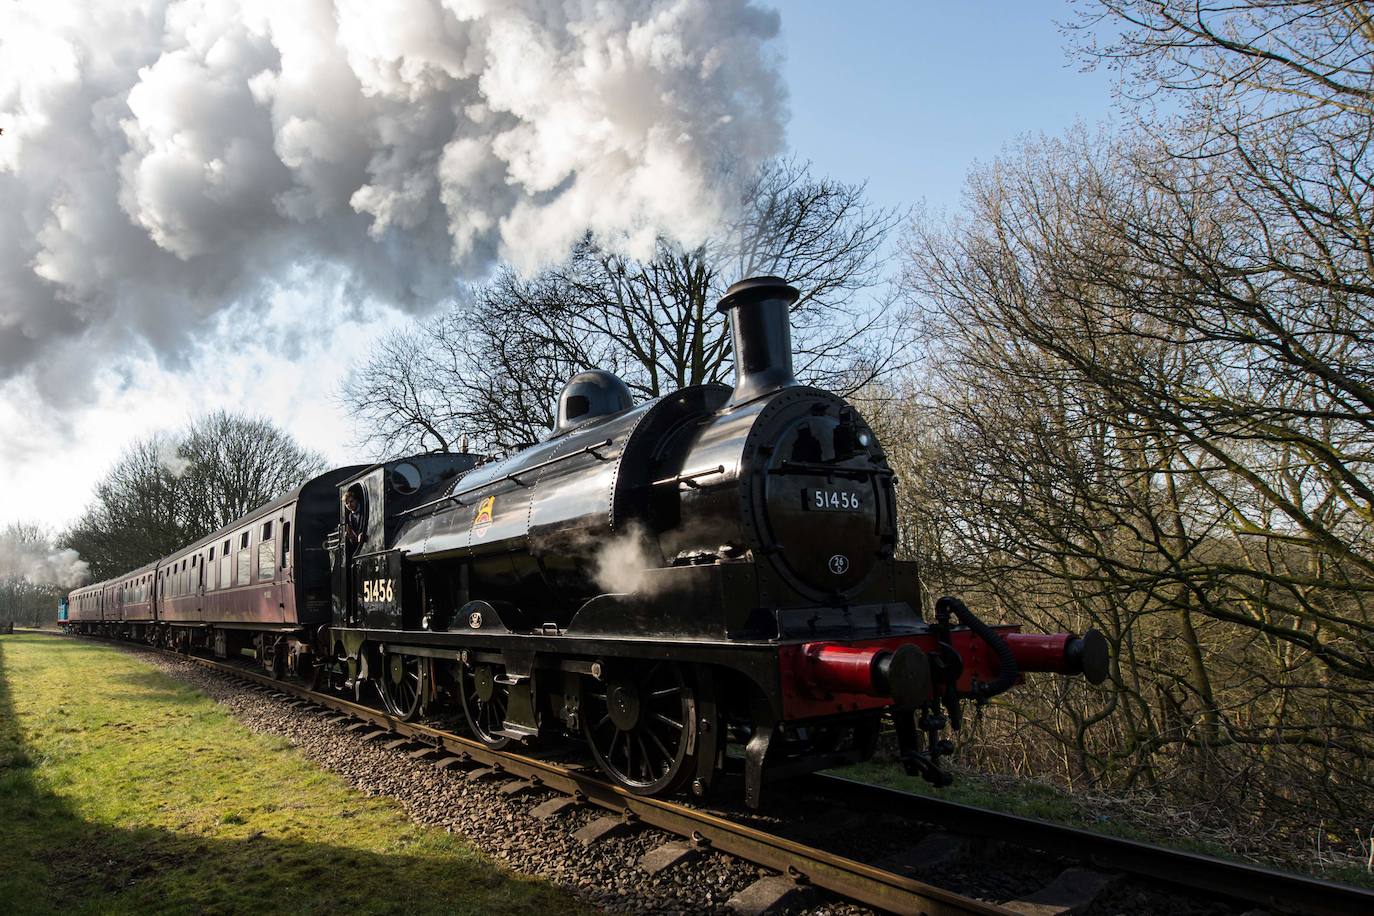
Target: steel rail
(804, 864)
(1267, 887)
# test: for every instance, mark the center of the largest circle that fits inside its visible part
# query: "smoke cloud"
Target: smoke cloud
(37, 563)
(163, 161)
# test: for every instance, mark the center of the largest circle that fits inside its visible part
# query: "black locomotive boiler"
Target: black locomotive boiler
(695, 585)
(700, 586)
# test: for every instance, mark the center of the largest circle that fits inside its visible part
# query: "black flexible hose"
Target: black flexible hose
(1007, 669)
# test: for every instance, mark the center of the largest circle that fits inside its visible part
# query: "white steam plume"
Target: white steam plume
(624, 564)
(39, 564)
(163, 160)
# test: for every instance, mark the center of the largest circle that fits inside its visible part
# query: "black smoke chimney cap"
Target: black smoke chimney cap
(761, 333)
(755, 288)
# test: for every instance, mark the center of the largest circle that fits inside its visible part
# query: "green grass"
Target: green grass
(1022, 797)
(123, 791)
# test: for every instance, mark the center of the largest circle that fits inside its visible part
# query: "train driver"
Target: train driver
(355, 523)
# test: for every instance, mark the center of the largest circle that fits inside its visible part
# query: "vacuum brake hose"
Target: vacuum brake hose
(1007, 669)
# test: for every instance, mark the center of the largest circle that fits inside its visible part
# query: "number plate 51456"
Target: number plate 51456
(833, 500)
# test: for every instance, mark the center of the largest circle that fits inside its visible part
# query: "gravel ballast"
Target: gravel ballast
(604, 875)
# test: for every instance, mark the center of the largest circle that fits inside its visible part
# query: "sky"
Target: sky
(904, 95)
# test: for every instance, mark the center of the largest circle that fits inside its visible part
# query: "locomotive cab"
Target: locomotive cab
(369, 586)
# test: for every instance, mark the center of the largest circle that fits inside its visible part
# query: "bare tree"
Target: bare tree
(1153, 372)
(137, 512)
(168, 490)
(491, 370)
(1248, 59)
(235, 464)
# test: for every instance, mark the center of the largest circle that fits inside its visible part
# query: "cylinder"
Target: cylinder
(902, 673)
(1062, 653)
(843, 669)
(761, 333)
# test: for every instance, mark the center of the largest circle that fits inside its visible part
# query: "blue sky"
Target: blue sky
(910, 94)
(905, 95)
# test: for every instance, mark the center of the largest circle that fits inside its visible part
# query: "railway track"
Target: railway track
(1264, 887)
(1096, 860)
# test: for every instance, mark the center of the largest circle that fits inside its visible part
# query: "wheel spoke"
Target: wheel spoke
(646, 764)
(667, 754)
(615, 738)
(660, 717)
(647, 757)
(485, 717)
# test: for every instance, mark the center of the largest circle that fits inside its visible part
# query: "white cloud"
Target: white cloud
(169, 163)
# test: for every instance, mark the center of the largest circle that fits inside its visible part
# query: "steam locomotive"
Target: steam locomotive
(702, 587)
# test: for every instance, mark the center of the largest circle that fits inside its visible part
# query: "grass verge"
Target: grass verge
(123, 791)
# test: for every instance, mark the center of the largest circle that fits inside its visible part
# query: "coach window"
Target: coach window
(285, 544)
(267, 557)
(244, 559)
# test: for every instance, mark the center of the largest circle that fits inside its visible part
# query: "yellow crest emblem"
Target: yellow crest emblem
(482, 521)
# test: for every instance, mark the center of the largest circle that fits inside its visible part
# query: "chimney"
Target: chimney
(762, 335)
